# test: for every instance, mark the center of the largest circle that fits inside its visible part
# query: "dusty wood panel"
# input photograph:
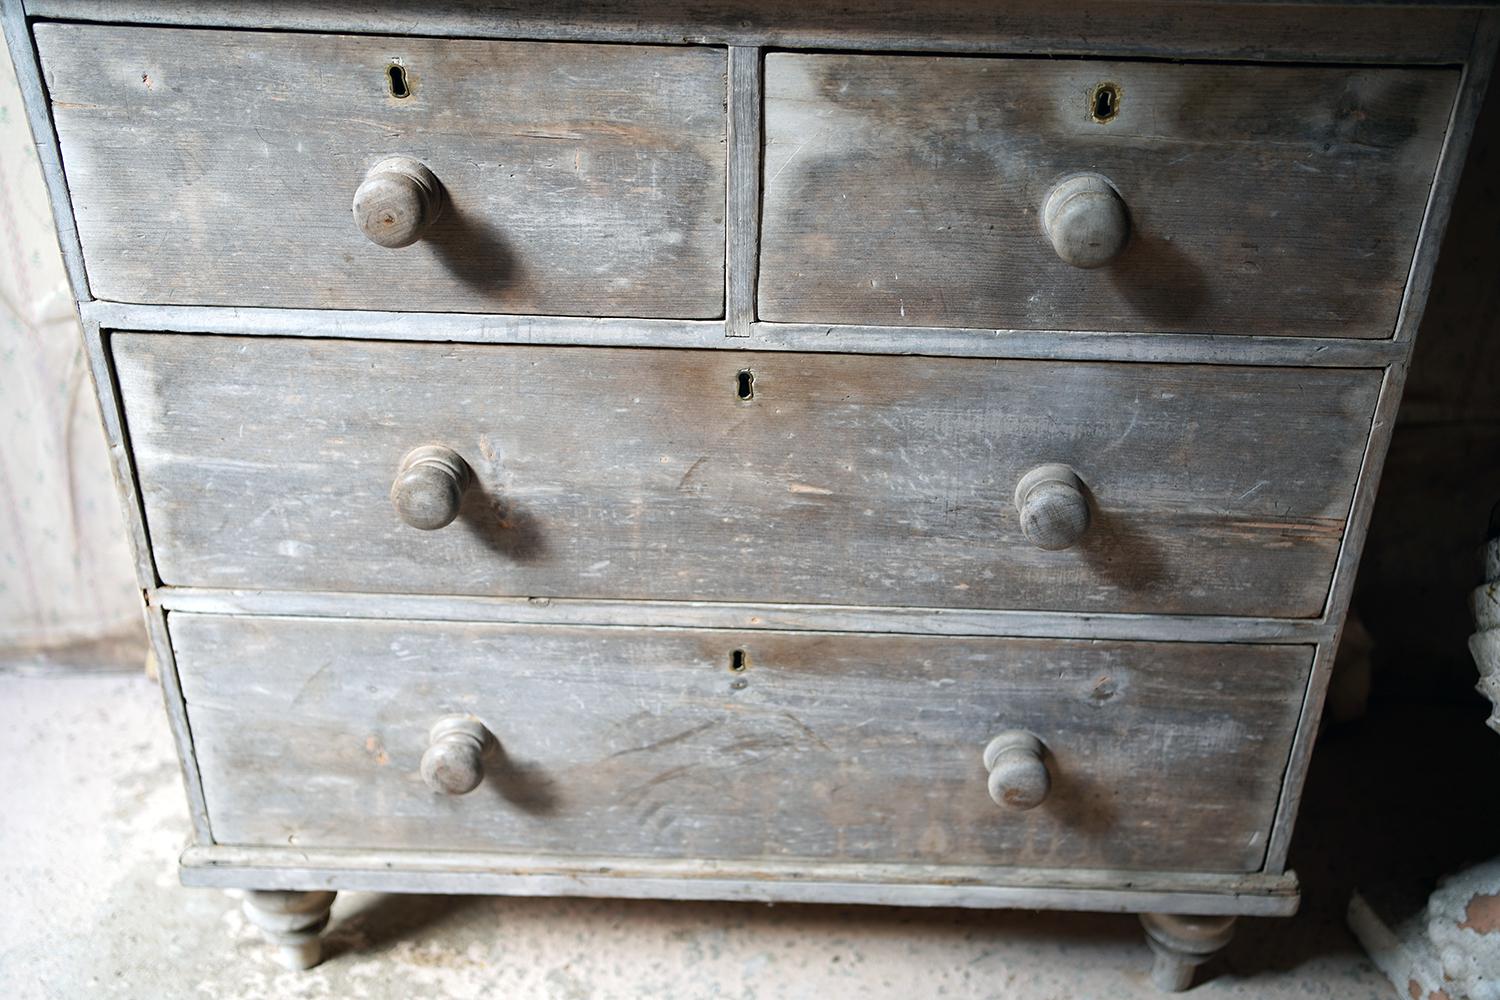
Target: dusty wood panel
(929, 341)
(743, 226)
(823, 746)
(96, 352)
(476, 328)
(1455, 364)
(219, 167)
(771, 870)
(643, 474)
(112, 416)
(764, 881)
(1443, 200)
(177, 721)
(1092, 345)
(1262, 200)
(1352, 31)
(701, 614)
(1478, 75)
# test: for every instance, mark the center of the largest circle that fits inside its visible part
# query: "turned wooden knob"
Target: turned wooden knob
(1084, 217)
(1018, 774)
(397, 201)
(454, 761)
(1054, 511)
(429, 486)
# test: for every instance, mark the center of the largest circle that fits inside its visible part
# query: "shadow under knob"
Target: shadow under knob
(454, 761)
(1018, 774)
(1054, 510)
(1085, 218)
(429, 486)
(398, 199)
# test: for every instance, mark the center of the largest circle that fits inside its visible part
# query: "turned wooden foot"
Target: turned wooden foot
(1182, 944)
(291, 921)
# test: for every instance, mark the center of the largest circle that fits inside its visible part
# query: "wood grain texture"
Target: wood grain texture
(641, 474)
(291, 922)
(905, 190)
(704, 614)
(1297, 352)
(1181, 943)
(765, 881)
(832, 747)
(1478, 71)
(177, 721)
(742, 230)
(1357, 31)
(219, 167)
(1478, 75)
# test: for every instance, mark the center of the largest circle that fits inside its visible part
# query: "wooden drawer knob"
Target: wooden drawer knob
(429, 486)
(1054, 510)
(1018, 774)
(454, 761)
(397, 201)
(1084, 217)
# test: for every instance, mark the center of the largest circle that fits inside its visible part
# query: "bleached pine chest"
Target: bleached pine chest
(783, 451)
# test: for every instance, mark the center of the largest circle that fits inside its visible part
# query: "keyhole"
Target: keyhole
(1105, 102)
(738, 661)
(744, 384)
(396, 74)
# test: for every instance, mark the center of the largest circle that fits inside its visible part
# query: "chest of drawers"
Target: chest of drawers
(764, 451)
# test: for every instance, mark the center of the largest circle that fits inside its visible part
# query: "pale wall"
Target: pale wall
(66, 581)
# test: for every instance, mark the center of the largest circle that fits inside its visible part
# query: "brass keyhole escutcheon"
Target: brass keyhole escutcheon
(396, 78)
(1104, 102)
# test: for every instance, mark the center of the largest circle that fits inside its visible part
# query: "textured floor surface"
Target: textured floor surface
(94, 818)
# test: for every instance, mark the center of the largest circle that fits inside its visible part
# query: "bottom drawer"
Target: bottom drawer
(664, 743)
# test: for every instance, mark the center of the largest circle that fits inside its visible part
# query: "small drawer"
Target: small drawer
(1257, 200)
(721, 476)
(720, 745)
(221, 167)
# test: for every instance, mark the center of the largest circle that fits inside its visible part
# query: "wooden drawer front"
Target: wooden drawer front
(219, 167)
(632, 473)
(905, 191)
(643, 742)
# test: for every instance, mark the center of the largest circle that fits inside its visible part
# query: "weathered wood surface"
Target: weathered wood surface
(292, 922)
(645, 742)
(641, 474)
(1249, 894)
(177, 721)
(703, 614)
(928, 341)
(1357, 31)
(1053, 506)
(1181, 943)
(905, 191)
(218, 167)
(1086, 220)
(397, 202)
(742, 221)
(428, 491)
(1471, 220)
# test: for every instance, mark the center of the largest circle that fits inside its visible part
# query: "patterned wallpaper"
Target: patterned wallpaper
(65, 572)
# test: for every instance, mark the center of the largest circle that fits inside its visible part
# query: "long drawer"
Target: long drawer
(220, 167)
(633, 473)
(723, 745)
(1257, 200)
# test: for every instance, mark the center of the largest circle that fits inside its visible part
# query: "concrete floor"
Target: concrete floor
(94, 818)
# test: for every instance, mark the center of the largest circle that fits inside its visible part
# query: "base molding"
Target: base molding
(1252, 894)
